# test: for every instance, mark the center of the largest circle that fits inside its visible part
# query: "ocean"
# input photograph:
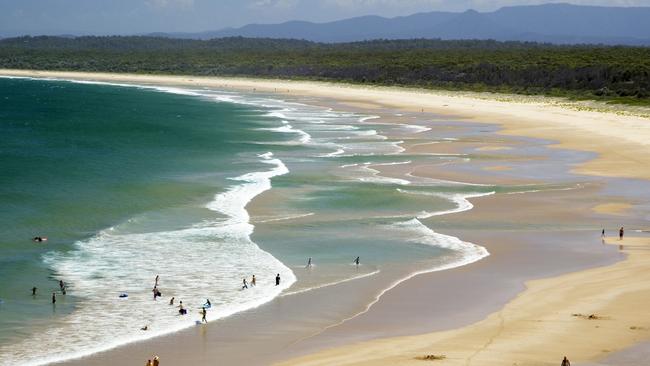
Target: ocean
(203, 188)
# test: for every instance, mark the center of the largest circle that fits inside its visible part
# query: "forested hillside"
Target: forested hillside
(607, 73)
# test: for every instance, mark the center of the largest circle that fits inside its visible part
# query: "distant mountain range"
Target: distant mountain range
(552, 23)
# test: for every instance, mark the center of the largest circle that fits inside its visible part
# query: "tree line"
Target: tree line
(619, 74)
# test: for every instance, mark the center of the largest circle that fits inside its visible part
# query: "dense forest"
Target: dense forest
(619, 74)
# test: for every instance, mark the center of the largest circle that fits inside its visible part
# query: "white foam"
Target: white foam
(368, 118)
(286, 217)
(460, 199)
(220, 252)
(304, 137)
(329, 284)
(417, 128)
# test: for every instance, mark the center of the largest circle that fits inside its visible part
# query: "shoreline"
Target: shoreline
(618, 138)
(338, 92)
(541, 325)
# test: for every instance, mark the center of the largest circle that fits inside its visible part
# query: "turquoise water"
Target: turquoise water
(202, 187)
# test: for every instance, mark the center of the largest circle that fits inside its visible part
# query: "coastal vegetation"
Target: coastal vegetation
(613, 74)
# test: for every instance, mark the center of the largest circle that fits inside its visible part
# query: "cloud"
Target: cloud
(274, 3)
(165, 4)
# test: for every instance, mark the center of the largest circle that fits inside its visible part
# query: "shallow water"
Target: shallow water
(132, 182)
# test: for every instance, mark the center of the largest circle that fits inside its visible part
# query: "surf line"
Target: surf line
(480, 253)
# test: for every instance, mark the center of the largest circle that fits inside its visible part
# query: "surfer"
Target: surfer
(207, 304)
(204, 312)
(39, 239)
(277, 280)
(245, 284)
(356, 261)
(253, 281)
(308, 263)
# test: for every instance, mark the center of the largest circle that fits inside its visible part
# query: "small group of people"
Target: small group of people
(62, 287)
(245, 283)
(621, 233)
(356, 261)
(153, 362)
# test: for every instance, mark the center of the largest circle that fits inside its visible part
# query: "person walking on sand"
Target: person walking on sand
(356, 261)
(308, 263)
(565, 362)
(156, 361)
(277, 280)
(621, 232)
(602, 234)
(149, 363)
(253, 281)
(245, 286)
(204, 312)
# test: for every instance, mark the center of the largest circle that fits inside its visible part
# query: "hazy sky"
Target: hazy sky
(138, 16)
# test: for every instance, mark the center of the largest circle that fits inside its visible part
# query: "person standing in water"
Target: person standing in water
(356, 261)
(61, 284)
(245, 286)
(34, 291)
(253, 281)
(602, 234)
(171, 301)
(621, 232)
(204, 312)
(53, 297)
(277, 280)
(308, 263)
(157, 278)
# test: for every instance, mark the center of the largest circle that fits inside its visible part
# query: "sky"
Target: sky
(102, 17)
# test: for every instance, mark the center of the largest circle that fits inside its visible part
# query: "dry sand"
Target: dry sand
(585, 315)
(620, 136)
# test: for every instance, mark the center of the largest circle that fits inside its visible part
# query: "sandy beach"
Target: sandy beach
(529, 303)
(585, 315)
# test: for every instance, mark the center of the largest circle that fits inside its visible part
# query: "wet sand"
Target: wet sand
(585, 315)
(529, 236)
